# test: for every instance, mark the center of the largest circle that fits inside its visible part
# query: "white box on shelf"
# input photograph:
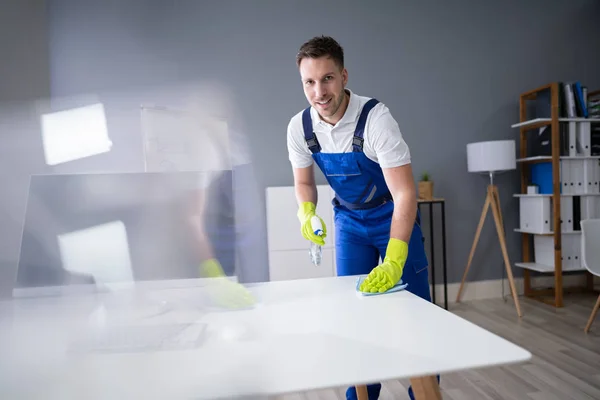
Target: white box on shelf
(532, 189)
(535, 214)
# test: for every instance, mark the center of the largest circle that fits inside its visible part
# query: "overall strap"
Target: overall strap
(309, 134)
(358, 140)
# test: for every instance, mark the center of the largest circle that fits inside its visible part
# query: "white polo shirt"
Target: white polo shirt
(383, 142)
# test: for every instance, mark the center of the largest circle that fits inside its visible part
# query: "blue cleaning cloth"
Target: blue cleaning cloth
(398, 287)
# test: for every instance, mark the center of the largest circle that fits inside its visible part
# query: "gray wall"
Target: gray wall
(24, 77)
(450, 72)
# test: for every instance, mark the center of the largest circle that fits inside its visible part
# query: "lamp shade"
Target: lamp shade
(491, 156)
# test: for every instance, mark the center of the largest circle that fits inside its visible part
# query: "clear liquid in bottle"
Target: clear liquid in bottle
(316, 252)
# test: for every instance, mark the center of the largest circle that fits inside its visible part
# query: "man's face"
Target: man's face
(324, 84)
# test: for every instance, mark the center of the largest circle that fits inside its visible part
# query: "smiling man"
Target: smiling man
(358, 146)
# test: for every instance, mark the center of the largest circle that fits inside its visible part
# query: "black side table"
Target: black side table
(442, 203)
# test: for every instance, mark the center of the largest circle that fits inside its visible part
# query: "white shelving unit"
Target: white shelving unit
(549, 222)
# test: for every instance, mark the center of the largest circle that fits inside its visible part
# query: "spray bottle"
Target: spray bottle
(316, 251)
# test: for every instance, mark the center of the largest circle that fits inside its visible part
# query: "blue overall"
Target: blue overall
(363, 210)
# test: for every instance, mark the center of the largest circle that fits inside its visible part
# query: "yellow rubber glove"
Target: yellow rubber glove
(385, 276)
(222, 291)
(306, 211)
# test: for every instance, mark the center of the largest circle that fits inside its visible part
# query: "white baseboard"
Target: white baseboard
(491, 289)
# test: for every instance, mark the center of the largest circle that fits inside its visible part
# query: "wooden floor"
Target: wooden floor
(565, 363)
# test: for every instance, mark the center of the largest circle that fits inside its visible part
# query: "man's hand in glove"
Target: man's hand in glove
(306, 211)
(385, 276)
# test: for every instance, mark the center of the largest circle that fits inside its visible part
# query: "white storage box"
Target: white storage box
(535, 213)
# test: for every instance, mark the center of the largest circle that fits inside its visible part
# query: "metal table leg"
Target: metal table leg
(432, 251)
(444, 254)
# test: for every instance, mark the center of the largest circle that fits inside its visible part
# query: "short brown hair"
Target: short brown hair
(320, 46)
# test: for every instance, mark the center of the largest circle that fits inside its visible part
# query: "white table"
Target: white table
(302, 335)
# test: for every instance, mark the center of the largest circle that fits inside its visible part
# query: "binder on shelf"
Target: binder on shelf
(564, 139)
(565, 176)
(567, 252)
(541, 175)
(595, 139)
(590, 175)
(543, 250)
(571, 111)
(590, 207)
(576, 204)
(572, 139)
(584, 138)
(576, 172)
(566, 214)
(596, 174)
(579, 100)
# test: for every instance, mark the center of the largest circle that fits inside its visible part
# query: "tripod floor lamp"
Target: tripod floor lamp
(491, 158)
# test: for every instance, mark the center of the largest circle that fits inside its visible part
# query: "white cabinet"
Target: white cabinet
(288, 250)
(295, 264)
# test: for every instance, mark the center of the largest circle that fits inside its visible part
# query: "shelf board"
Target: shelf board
(535, 159)
(539, 122)
(551, 233)
(533, 123)
(551, 195)
(549, 158)
(518, 230)
(580, 157)
(579, 119)
(546, 268)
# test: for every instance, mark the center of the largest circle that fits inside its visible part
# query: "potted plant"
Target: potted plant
(425, 187)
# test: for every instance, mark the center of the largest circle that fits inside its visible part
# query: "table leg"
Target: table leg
(432, 250)
(361, 392)
(426, 388)
(444, 254)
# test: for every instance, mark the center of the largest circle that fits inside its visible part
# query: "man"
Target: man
(357, 144)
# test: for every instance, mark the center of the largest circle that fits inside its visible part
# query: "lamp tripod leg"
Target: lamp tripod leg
(486, 206)
(500, 230)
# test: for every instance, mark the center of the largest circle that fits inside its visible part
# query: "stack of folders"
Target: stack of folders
(573, 209)
(573, 100)
(579, 175)
(593, 106)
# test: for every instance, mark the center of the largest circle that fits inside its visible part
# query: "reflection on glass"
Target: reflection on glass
(74, 134)
(101, 252)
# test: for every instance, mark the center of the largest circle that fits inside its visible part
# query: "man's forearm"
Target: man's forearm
(403, 218)
(306, 192)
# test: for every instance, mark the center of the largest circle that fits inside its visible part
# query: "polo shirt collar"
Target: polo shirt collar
(349, 117)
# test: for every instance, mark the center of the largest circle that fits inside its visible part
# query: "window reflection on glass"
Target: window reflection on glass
(75, 134)
(100, 252)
